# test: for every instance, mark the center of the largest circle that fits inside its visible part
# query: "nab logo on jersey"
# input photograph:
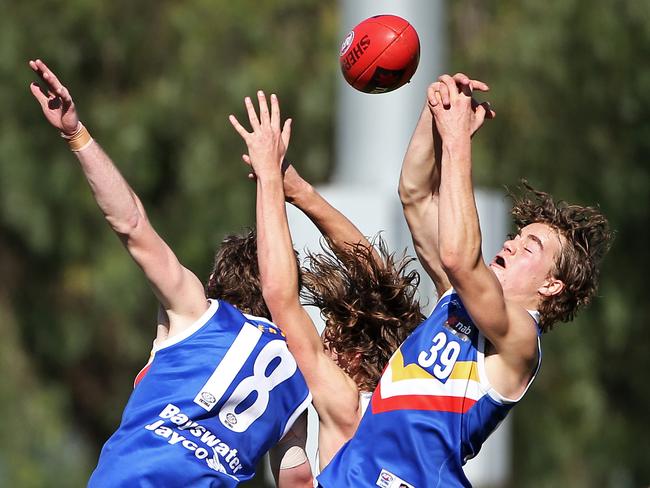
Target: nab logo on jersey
(458, 328)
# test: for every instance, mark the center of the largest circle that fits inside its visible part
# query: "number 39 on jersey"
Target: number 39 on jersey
(442, 356)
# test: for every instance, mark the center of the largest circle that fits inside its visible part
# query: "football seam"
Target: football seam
(391, 27)
(384, 50)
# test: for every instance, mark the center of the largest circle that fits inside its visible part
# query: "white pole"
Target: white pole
(371, 138)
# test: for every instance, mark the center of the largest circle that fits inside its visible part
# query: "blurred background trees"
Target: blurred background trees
(155, 81)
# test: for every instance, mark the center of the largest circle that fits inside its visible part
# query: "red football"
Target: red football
(380, 54)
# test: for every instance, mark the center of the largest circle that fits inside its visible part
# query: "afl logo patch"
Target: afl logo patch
(389, 480)
(208, 398)
(231, 419)
(347, 42)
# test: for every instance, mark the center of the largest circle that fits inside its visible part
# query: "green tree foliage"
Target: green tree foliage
(154, 82)
(571, 87)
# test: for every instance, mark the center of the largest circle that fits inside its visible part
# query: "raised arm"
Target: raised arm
(332, 224)
(418, 192)
(179, 291)
(334, 394)
(460, 234)
(420, 180)
(339, 231)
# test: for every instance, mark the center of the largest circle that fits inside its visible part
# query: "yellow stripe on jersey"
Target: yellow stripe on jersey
(462, 370)
(412, 371)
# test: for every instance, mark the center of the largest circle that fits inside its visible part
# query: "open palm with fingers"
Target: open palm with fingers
(267, 143)
(54, 98)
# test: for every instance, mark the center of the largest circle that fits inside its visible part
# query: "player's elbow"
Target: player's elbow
(456, 260)
(408, 194)
(416, 200)
(278, 295)
(129, 224)
(449, 260)
(130, 219)
(295, 470)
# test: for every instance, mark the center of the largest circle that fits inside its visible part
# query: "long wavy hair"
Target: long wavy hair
(235, 275)
(368, 301)
(587, 238)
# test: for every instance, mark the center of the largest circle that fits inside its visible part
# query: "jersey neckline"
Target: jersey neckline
(200, 322)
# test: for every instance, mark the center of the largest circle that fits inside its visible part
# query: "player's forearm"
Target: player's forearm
(113, 195)
(277, 262)
(424, 233)
(459, 231)
(419, 176)
(177, 289)
(331, 223)
(418, 189)
(279, 270)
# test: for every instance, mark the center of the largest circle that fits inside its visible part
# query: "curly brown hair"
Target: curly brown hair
(235, 275)
(587, 238)
(368, 305)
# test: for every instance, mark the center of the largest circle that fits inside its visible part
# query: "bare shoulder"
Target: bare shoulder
(520, 346)
(511, 367)
(196, 311)
(522, 322)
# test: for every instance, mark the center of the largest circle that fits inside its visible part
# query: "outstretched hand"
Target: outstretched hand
(54, 99)
(459, 89)
(266, 144)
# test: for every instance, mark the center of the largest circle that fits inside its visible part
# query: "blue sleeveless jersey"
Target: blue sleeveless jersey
(432, 410)
(209, 404)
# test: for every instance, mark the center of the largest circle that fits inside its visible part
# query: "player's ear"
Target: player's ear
(551, 286)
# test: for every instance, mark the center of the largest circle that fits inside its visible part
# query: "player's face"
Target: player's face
(524, 264)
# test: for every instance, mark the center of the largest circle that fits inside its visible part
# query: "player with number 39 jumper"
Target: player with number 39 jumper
(452, 382)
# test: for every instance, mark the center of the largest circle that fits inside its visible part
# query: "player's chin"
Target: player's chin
(496, 269)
